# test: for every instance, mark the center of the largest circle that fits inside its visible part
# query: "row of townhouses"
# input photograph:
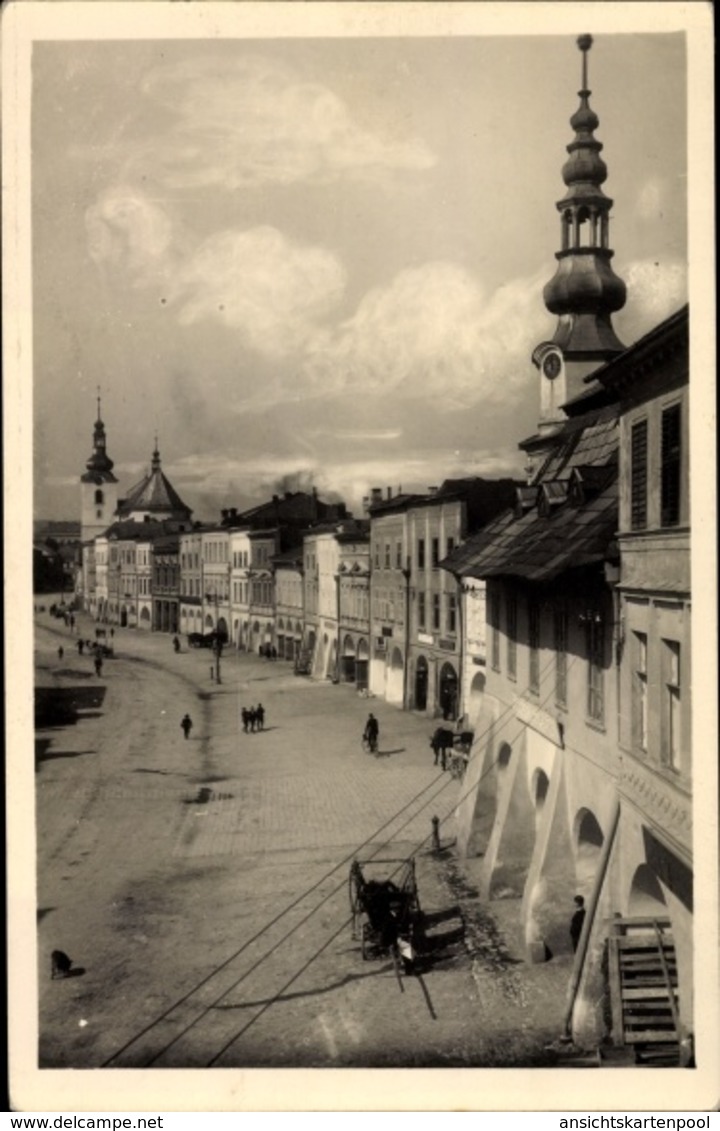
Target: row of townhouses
(361, 601)
(551, 616)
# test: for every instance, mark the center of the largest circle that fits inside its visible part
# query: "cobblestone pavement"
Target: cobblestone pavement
(201, 886)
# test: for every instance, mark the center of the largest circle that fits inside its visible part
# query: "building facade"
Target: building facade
(579, 783)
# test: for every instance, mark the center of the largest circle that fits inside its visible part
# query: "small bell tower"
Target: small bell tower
(98, 486)
(584, 292)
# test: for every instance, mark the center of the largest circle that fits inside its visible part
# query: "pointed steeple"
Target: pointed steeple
(99, 466)
(585, 291)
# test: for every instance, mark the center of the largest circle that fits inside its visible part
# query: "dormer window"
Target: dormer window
(552, 495)
(525, 500)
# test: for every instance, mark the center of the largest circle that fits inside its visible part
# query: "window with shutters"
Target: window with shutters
(495, 631)
(670, 467)
(451, 614)
(670, 747)
(638, 475)
(560, 633)
(640, 692)
(595, 692)
(436, 611)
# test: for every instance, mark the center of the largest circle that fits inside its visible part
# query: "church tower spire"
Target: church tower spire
(98, 485)
(584, 292)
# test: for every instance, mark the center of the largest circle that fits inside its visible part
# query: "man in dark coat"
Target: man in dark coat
(576, 923)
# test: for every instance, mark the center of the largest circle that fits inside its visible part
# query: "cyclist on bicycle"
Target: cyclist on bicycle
(371, 732)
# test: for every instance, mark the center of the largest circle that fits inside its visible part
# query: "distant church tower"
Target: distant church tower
(585, 291)
(98, 487)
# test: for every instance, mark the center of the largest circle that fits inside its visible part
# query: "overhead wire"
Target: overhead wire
(335, 934)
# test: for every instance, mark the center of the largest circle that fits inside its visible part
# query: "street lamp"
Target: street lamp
(217, 643)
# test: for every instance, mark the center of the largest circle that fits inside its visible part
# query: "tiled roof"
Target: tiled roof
(575, 529)
(154, 492)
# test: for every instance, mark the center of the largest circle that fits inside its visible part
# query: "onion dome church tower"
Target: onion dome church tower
(98, 487)
(584, 292)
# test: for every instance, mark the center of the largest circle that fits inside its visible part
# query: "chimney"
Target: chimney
(365, 503)
(233, 512)
(375, 496)
(389, 492)
(276, 498)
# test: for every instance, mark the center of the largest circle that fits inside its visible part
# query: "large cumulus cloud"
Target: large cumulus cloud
(254, 120)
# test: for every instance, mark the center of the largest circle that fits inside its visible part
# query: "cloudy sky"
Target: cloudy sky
(321, 260)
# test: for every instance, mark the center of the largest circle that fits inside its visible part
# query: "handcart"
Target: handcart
(386, 914)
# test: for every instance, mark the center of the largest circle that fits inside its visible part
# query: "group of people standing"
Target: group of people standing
(253, 718)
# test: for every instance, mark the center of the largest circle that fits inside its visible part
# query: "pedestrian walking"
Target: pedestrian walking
(80, 647)
(98, 665)
(176, 644)
(245, 716)
(72, 623)
(260, 716)
(61, 652)
(371, 733)
(576, 923)
(112, 633)
(187, 725)
(252, 718)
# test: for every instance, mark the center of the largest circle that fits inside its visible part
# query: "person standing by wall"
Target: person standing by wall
(187, 725)
(576, 923)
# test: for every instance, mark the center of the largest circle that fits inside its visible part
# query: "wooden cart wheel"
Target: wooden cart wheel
(353, 891)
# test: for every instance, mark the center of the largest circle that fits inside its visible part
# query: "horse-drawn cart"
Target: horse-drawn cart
(386, 915)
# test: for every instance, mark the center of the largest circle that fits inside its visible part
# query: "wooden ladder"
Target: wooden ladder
(643, 990)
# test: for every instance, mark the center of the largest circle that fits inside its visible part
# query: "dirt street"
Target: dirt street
(201, 886)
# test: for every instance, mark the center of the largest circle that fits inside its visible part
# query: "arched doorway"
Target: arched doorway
(589, 839)
(474, 706)
(448, 692)
(421, 684)
(540, 787)
(347, 668)
(646, 899)
(362, 665)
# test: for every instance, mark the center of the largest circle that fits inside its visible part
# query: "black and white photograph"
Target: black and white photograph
(360, 714)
